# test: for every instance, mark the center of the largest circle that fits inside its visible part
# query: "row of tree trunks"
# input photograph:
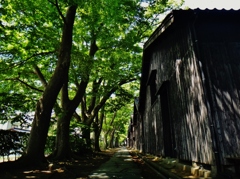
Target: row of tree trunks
(62, 146)
(40, 126)
(106, 144)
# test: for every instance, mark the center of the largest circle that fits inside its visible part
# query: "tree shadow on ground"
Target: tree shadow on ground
(70, 169)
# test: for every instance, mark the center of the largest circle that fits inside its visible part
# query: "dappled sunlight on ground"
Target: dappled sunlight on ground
(79, 168)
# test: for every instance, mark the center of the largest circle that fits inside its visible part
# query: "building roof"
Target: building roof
(19, 130)
(175, 19)
(191, 14)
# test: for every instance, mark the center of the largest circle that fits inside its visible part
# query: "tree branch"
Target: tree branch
(83, 109)
(35, 55)
(106, 97)
(60, 13)
(40, 75)
(95, 88)
(78, 117)
(21, 81)
(111, 122)
(59, 10)
(29, 58)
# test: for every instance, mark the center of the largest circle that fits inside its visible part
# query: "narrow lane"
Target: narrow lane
(121, 165)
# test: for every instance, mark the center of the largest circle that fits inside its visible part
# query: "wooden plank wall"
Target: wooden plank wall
(201, 62)
(222, 63)
(188, 111)
(157, 125)
(219, 45)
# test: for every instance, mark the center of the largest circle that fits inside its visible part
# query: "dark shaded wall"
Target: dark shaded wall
(135, 131)
(190, 87)
(176, 124)
(219, 51)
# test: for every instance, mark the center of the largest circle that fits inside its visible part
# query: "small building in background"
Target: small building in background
(189, 102)
(15, 127)
(5, 126)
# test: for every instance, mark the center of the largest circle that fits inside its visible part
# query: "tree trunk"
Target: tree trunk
(117, 141)
(97, 131)
(111, 141)
(96, 144)
(86, 136)
(38, 135)
(62, 147)
(109, 130)
(105, 141)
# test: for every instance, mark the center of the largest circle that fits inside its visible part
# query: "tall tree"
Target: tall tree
(37, 140)
(23, 42)
(38, 135)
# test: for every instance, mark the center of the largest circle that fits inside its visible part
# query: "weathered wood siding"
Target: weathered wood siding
(190, 87)
(219, 49)
(137, 136)
(135, 130)
(172, 55)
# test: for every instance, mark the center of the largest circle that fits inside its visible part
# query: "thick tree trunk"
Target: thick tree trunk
(96, 144)
(62, 147)
(97, 130)
(38, 135)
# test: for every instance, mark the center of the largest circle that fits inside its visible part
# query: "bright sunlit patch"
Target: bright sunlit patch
(46, 171)
(124, 156)
(144, 4)
(99, 175)
(128, 160)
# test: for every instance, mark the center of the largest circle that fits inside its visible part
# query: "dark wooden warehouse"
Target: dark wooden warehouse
(189, 102)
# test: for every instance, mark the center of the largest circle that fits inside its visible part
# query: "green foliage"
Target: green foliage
(12, 142)
(30, 36)
(50, 145)
(77, 142)
(16, 108)
(78, 145)
(120, 123)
